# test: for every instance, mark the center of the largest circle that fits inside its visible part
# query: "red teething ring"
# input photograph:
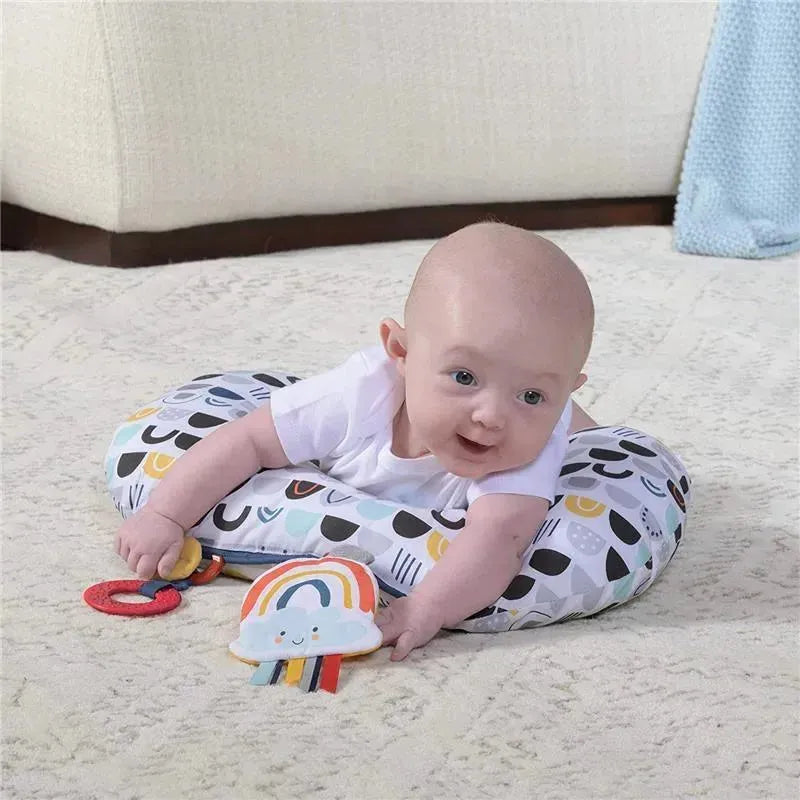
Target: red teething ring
(100, 597)
(209, 573)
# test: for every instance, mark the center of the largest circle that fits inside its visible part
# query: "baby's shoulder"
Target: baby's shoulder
(372, 392)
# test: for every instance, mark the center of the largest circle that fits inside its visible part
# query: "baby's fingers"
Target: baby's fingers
(146, 566)
(122, 547)
(132, 559)
(168, 561)
(405, 644)
(389, 624)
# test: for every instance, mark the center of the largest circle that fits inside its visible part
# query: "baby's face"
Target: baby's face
(485, 397)
(498, 326)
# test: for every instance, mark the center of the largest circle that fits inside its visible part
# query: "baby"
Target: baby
(467, 406)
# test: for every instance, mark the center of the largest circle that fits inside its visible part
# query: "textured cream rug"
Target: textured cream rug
(689, 691)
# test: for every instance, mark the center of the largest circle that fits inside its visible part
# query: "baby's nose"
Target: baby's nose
(489, 415)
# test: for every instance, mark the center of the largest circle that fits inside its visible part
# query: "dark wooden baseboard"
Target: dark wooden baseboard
(23, 229)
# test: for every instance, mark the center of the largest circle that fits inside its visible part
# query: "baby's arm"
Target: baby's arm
(151, 539)
(474, 571)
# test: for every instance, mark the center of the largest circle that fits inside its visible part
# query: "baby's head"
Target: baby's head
(498, 326)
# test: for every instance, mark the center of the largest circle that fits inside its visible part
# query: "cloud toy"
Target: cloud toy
(305, 615)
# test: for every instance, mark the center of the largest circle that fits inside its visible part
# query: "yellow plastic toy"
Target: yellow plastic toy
(188, 561)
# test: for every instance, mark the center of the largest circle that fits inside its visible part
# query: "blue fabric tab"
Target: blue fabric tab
(263, 673)
(150, 588)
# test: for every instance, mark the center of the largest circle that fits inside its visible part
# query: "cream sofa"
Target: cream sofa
(152, 116)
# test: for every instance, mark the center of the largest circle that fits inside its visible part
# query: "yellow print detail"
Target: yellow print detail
(157, 464)
(437, 544)
(142, 413)
(584, 506)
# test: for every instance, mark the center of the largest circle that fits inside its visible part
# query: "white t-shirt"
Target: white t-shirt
(343, 418)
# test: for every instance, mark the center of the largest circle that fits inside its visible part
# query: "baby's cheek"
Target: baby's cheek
(315, 636)
(278, 639)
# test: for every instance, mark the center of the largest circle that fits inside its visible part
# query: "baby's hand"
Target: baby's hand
(410, 623)
(149, 542)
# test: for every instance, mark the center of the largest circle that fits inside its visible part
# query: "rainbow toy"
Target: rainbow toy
(305, 615)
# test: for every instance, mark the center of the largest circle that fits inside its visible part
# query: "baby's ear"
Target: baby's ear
(581, 379)
(393, 336)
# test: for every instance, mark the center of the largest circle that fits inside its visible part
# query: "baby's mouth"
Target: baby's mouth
(300, 642)
(472, 447)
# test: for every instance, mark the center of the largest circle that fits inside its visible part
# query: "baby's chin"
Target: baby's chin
(467, 469)
(472, 474)
(474, 470)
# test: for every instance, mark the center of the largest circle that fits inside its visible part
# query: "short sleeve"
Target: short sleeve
(317, 416)
(538, 478)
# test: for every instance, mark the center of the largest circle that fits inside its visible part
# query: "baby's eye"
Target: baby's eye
(531, 397)
(314, 629)
(463, 377)
(283, 633)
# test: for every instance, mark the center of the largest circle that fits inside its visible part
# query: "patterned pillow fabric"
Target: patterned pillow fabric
(615, 523)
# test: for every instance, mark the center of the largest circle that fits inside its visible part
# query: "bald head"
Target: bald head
(513, 272)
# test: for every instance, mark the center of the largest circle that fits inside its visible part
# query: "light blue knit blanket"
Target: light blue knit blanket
(739, 193)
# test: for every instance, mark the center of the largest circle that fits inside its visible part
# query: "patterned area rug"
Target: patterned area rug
(686, 691)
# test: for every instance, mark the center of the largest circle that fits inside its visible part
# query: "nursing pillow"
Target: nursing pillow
(616, 521)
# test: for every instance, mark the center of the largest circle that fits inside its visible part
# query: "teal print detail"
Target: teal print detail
(672, 520)
(374, 510)
(124, 435)
(299, 523)
(643, 554)
(623, 588)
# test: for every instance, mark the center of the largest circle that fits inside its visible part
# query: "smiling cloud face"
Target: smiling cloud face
(309, 607)
(281, 630)
(294, 632)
